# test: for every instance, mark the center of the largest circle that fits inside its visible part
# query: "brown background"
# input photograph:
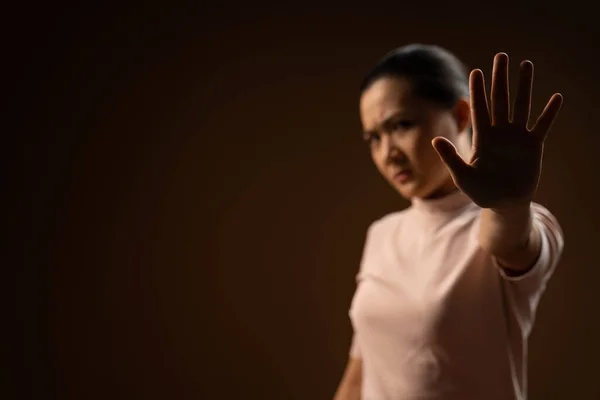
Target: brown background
(195, 193)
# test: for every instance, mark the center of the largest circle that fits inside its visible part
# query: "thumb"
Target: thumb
(449, 155)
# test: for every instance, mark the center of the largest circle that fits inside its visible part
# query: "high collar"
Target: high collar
(451, 202)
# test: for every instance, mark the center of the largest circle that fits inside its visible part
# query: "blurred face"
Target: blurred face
(399, 128)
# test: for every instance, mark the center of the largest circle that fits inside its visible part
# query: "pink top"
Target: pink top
(434, 316)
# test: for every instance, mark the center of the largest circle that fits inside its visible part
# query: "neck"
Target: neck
(442, 203)
(444, 190)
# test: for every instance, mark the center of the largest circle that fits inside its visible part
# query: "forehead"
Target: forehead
(386, 96)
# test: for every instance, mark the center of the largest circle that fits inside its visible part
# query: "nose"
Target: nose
(393, 153)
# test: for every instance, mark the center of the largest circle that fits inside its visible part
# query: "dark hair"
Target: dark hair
(435, 73)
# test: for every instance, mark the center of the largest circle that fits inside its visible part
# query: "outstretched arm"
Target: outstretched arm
(504, 170)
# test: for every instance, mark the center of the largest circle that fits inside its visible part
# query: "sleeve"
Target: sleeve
(354, 347)
(525, 290)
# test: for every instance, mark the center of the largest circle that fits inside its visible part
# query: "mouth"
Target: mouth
(403, 176)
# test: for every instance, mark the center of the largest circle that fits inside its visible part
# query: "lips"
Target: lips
(403, 176)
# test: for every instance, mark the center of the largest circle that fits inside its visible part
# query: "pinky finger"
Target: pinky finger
(546, 119)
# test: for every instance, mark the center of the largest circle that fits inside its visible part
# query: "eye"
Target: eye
(372, 138)
(402, 125)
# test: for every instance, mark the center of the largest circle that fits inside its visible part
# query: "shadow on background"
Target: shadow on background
(196, 194)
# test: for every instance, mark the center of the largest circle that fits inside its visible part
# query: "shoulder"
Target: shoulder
(387, 223)
(383, 228)
(378, 234)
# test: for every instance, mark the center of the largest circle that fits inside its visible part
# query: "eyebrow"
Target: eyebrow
(387, 120)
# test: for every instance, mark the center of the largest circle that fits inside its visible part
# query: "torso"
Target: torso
(428, 309)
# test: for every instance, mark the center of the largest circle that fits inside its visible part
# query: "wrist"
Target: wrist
(507, 228)
(516, 209)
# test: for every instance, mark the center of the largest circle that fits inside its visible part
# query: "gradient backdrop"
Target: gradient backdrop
(195, 193)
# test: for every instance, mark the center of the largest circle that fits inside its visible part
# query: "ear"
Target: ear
(462, 114)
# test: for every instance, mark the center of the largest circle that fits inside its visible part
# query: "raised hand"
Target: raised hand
(506, 160)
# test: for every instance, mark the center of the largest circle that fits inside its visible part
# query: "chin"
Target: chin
(416, 189)
(409, 190)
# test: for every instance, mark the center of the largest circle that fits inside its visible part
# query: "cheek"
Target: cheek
(423, 151)
(427, 159)
(378, 158)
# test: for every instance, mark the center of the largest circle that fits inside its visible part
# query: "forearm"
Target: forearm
(510, 235)
(348, 391)
(351, 383)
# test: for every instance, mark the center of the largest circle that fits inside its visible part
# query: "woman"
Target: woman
(448, 288)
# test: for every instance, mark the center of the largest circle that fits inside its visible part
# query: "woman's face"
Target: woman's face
(399, 128)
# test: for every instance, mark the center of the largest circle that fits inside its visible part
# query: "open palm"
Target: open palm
(507, 156)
